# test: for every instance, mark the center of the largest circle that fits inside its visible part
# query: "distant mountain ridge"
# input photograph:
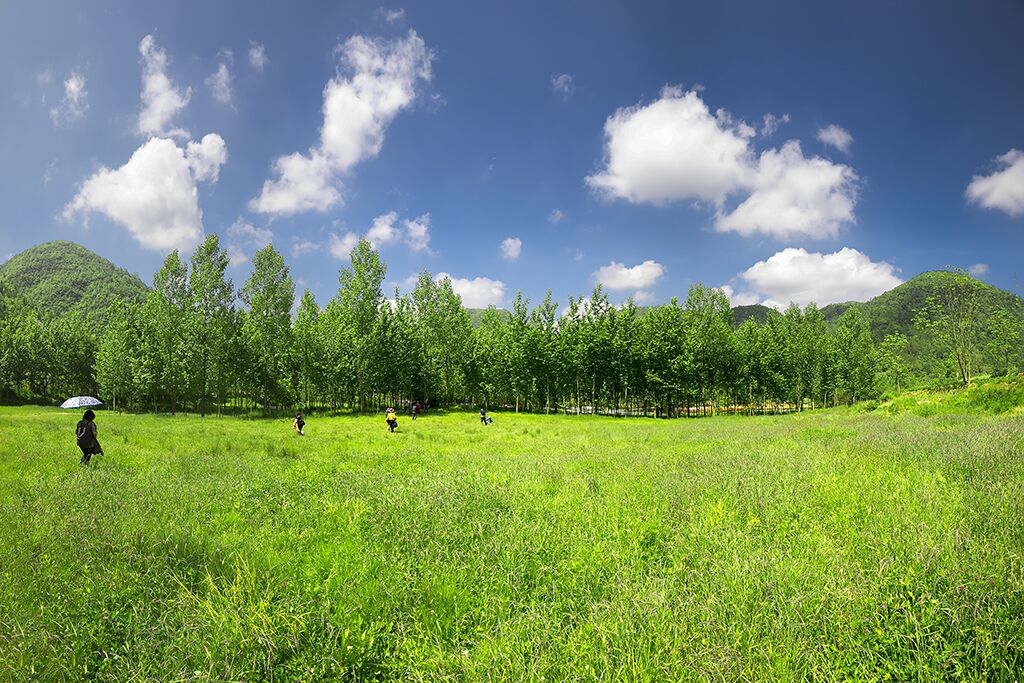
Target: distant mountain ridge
(61, 277)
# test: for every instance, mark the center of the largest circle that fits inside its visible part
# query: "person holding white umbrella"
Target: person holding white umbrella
(85, 437)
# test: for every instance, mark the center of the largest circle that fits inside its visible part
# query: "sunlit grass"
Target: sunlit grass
(828, 546)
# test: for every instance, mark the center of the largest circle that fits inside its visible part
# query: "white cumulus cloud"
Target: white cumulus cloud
(1003, 189)
(417, 233)
(257, 55)
(617, 276)
(392, 16)
(836, 136)
(739, 298)
(643, 297)
(978, 269)
(793, 195)
(479, 292)
(383, 230)
(244, 237)
(219, 82)
(676, 149)
(672, 149)
(796, 275)
(75, 102)
(206, 157)
(382, 80)
(302, 246)
(341, 246)
(153, 196)
(161, 101)
(771, 122)
(510, 248)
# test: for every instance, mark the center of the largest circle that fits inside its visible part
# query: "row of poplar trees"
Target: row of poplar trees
(188, 346)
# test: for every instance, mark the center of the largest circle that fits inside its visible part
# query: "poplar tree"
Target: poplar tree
(266, 327)
(360, 299)
(211, 295)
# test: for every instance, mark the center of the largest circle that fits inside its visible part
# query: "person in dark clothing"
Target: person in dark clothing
(483, 416)
(85, 437)
(299, 424)
(415, 409)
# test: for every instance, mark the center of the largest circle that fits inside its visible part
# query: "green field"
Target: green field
(824, 546)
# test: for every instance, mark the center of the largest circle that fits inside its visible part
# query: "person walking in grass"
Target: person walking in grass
(391, 419)
(85, 437)
(298, 424)
(415, 409)
(483, 416)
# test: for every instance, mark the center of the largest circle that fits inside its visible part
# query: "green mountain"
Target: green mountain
(894, 311)
(740, 314)
(63, 277)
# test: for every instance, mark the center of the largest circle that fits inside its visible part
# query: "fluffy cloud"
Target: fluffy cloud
(153, 196)
(510, 248)
(341, 246)
(301, 246)
(978, 269)
(161, 102)
(836, 136)
(303, 184)
(383, 230)
(417, 233)
(739, 298)
(795, 275)
(617, 276)
(206, 157)
(257, 55)
(643, 297)
(671, 149)
(244, 237)
(479, 292)
(793, 195)
(219, 82)
(1003, 189)
(556, 216)
(250, 234)
(357, 109)
(562, 84)
(771, 123)
(392, 16)
(74, 104)
(675, 149)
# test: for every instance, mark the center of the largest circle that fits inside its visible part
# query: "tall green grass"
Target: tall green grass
(824, 546)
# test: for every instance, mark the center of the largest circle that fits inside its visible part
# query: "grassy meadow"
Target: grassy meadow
(834, 545)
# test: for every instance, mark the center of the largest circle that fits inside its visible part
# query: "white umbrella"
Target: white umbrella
(81, 402)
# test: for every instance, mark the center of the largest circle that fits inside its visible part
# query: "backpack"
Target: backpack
(83, 437)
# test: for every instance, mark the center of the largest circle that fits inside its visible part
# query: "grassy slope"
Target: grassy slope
(985, 396)
(828, 546)
(60, 277)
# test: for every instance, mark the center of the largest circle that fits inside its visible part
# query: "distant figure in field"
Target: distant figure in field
(484, 420)
(415, 409)
(85, 437)
(391, 419)
(298, 424)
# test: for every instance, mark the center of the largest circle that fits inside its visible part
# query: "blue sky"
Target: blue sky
(525, 145)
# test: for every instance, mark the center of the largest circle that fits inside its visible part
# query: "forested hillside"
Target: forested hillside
(893, 312)
(57, 278)
(188, 343)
